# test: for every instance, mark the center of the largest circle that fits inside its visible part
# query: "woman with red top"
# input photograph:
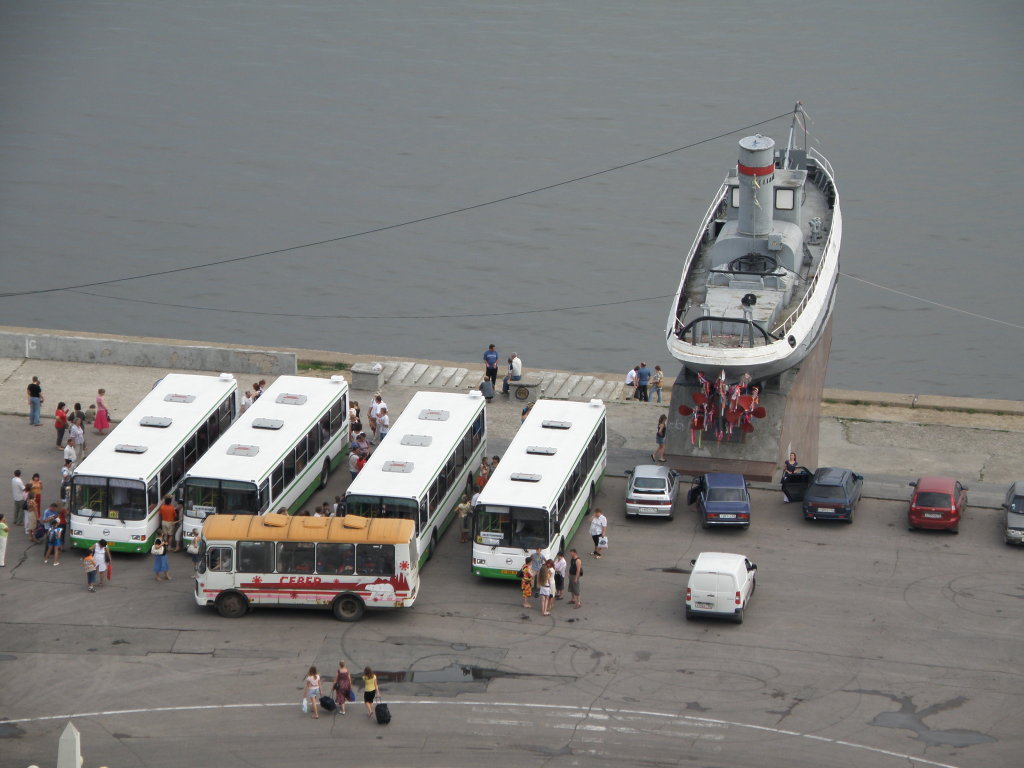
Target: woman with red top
(60, 423)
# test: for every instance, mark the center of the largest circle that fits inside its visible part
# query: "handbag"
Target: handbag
(603, 542)
(350, 695)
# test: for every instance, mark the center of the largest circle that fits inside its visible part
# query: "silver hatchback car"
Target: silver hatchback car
(651, 491)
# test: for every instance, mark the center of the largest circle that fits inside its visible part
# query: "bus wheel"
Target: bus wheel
(433, 545)
(325, 474)
(348, 608)
(469, 485)
(591, 498)
(231, 605)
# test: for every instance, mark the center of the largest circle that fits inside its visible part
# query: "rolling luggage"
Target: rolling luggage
(383, 713)
(328, 704)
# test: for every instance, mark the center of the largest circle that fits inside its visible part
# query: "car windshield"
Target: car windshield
(933, 499)
(650, 485)
(727, 494)
(827, 492)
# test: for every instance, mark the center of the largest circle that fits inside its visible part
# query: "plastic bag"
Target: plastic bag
(603, 542)
(305, 705)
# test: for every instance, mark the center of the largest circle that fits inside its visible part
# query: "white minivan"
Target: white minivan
(721, 584)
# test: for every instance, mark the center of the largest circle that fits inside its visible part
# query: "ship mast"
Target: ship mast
(792, 128)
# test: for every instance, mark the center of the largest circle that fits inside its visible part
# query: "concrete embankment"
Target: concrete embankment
(890, 438)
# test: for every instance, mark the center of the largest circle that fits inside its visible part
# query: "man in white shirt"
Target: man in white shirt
(374, 412)
(515, 372)
(383, 422)
(18, 492)
(69, 451)
(77, 437)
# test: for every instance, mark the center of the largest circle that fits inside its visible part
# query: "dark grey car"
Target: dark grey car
(1014, 506)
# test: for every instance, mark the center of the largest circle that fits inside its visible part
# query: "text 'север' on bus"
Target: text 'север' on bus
(426, 462)
(544, 485)
(347, 564)
(276, 455)
(116, 490)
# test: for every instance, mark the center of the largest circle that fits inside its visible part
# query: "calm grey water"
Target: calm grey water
(138, 136)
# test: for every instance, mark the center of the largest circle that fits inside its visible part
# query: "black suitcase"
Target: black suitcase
(383, 713)
(328, 704)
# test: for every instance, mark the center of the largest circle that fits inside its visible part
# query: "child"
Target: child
(90, 571)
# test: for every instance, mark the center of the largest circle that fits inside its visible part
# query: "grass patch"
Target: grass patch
(321, 365)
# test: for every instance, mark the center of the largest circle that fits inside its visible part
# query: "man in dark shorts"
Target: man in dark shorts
(575, 573)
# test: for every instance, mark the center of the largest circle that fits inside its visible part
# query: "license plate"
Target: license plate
(509, 573)
(727, 517)
(705, 606)
(933, 515)
(647, 510)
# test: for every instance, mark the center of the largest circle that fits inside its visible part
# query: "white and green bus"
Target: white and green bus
(279, 451)
(426, 462)
(116, 490)
(544, 485)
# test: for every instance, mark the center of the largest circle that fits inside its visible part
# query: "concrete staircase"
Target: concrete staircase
(554, 385)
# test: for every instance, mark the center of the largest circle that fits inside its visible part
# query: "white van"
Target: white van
(721, 584)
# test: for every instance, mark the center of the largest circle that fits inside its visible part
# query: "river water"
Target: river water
(140, 136)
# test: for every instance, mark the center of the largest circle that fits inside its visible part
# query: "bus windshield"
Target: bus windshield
(110, 498)
(205, 496)
(381, 506)
(523, 527)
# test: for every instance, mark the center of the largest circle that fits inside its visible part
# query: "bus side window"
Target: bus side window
(219, 559)
(265, 496)
(335, 558)
(295, 557)
(255, 557)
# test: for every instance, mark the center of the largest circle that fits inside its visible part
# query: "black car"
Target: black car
(833, 494)
(794, 485)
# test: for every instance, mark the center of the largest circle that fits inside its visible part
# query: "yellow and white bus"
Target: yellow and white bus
(428, 459)
(276, 455)
(545, 483)
(116, 490)
(347, 564)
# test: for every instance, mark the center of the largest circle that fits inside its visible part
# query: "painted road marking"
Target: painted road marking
(566, 710)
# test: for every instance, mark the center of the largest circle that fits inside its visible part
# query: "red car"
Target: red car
(938, 503)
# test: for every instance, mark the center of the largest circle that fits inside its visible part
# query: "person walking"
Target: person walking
(60, 423)
(643, 379)
(546, 580)
(575, 574)
(3, 541)
(598, 531)
(54, 540)
(168, 519)
(89, 563)
(658, 381)
(383, 422)
(491, 366)
(101, 557)
(788, 469)
(659, 439)
(465, 512)
(160, 560)
(536, 564)
(102, 413)
(35, 401)
(370, 690)
(526, 582)
(19, 492)
(311, 691)
(193, 548)
(560, 569)
(342, 686)
(374, 412)
(35, 490)
(76, 436)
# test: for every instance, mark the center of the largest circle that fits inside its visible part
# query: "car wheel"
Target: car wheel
(738, 616)
(231, 605)
(689, 613)
(955, 530)
(348, 608)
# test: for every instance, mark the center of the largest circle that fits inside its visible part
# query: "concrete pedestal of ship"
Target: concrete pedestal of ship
(792, 403)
